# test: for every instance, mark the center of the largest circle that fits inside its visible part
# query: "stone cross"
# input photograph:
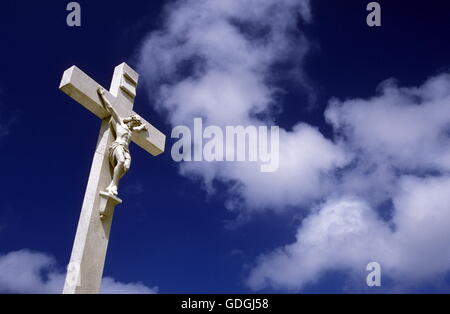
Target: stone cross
(85, 271)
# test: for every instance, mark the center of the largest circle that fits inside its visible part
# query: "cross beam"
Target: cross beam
(85, 271)
(83, 89)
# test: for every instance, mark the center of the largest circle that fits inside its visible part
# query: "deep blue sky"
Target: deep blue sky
(180, 242)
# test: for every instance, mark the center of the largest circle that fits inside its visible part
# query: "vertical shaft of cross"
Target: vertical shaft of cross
(89, 251)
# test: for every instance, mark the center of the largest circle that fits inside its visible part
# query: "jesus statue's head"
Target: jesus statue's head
(132, 121)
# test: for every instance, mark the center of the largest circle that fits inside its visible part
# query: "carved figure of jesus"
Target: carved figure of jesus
(119, 153)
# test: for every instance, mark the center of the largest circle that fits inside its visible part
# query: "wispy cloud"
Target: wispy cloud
(215, 59)
(400, 145)
(135, 189)
(110, 286)
(25, 271)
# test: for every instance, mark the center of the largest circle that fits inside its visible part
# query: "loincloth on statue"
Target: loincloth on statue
(113, 150)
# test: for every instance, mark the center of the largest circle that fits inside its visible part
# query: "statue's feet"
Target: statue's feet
(112, 190)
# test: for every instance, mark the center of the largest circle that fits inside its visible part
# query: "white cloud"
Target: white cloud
(422, 238)
(346, 234)
(110, 286)
(408, 168)
(406, 127)
(342, 233)
(25, 271)
(305, 158)
(214, 59)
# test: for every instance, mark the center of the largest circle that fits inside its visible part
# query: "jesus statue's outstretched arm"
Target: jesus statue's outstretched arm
(107, 104)
(140, 128)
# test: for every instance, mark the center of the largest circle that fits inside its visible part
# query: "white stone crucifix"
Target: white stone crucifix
(120, 125)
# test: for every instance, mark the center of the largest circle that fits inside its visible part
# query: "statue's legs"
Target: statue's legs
(120, 169)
